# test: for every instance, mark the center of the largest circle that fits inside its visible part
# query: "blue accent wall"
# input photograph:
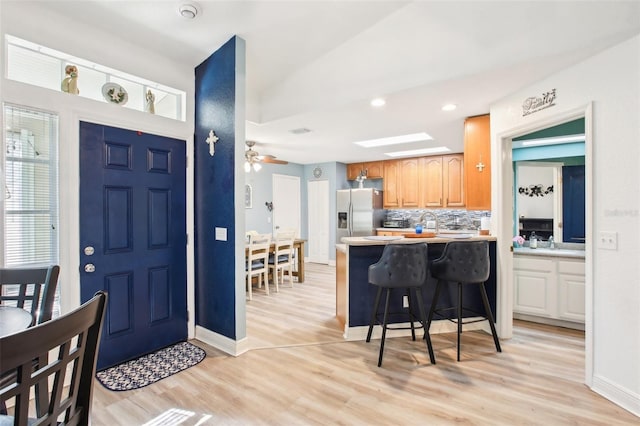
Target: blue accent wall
(214, 206)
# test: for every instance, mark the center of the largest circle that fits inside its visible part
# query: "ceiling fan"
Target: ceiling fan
(253, 159)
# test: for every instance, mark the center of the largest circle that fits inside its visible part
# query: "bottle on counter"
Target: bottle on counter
(533, 240)
(552, 244)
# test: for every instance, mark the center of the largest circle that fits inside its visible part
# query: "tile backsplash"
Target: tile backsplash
(447, 219)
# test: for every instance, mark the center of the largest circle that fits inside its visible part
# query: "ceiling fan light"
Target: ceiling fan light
(247, 167)
(257, 167)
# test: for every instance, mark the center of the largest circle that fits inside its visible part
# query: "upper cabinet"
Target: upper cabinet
(436, 181)
(442, 181)
(477, 158)
(372, 170)
(391, 185)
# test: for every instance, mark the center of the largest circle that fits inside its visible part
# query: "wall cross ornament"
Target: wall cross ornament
(480, 166)
(211, 140)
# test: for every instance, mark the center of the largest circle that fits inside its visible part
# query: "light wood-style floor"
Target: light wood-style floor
(303, 373)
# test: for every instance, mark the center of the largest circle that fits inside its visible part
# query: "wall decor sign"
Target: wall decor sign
(535, 190)
(538, 103)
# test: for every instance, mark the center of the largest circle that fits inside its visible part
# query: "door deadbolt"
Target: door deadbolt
(88, 250)
(89, 267)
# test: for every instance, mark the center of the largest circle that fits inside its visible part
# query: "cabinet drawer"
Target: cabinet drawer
(568, 267)
(531, 264)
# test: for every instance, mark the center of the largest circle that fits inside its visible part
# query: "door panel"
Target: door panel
(286, 203)
(573, 204)
(133, 215)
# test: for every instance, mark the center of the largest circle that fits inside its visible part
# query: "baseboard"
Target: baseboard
(626, 399)
(223, 343)
(549, 321)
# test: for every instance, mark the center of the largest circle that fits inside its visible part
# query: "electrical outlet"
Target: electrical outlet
(405, 301)
(608, 240)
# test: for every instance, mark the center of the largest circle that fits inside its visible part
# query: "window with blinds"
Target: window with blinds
(30, 213)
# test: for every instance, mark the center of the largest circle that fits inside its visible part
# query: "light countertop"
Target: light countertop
(440, 238)
(557, 252)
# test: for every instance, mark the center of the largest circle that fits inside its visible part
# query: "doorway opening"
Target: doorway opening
(506, 222)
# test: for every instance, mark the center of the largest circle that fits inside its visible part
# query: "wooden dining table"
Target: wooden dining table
(298, 246)
(13, 319)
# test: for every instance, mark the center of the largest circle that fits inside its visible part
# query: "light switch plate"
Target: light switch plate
(221, 234)
(608, 240)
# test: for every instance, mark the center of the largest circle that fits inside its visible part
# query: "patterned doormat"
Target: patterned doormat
(150, 368)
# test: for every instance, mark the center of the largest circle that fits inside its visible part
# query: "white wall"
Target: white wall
(610, 83)
(536, 206)
(29, 22)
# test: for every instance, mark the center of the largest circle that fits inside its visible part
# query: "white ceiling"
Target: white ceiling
(317, 64)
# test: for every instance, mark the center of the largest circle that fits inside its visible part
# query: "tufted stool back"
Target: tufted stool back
(465, 262)
(400, 266)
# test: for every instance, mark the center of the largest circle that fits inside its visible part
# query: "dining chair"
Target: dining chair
(33, 289)
(74, 340)
(282, 257)
(257, 263)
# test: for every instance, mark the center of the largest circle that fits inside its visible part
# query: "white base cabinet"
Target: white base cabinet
(549, 287)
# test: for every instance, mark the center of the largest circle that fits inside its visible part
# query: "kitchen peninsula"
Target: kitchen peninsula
(355, 296)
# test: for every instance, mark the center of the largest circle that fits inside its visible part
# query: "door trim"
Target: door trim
(502, 202)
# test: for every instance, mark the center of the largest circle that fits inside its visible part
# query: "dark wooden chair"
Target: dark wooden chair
(75, 339)
(36, 290)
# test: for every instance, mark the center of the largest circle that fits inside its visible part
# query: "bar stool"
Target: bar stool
(404, 267)
(463, 262)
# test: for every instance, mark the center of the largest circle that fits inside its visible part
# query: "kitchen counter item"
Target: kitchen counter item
(422, 235)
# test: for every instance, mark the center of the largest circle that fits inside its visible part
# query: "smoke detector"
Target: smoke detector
(188, 10)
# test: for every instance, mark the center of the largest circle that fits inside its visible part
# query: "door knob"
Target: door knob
(88, 250)
(89, 267)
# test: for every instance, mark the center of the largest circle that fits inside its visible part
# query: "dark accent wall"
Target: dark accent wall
(214, 205)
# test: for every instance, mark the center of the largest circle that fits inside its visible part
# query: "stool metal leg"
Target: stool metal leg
(423, 320)
(374, 313)
(434, 303)
(411, 317)
(384, 326)
(459, 316)
(487, 308)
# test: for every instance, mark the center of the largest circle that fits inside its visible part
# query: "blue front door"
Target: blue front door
(573, 204)
(133, 238)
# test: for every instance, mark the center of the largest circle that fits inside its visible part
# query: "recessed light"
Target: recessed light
(188, 10)
(378, 102)
(449, 107)
(393, 140)
(422, 151)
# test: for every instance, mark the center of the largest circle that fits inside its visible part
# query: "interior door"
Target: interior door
(318, 208)
(133, 238)
(286, 203)
(573, 204)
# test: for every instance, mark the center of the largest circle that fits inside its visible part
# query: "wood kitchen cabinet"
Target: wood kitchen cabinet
(401, 186)
(442, 181)
(372, 169)
(391, 184)
(410, 183)
(477, 158)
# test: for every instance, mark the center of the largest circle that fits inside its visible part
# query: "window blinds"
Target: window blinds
(30, 172)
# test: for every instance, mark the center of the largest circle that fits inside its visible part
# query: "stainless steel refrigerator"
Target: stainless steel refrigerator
(360, 212)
